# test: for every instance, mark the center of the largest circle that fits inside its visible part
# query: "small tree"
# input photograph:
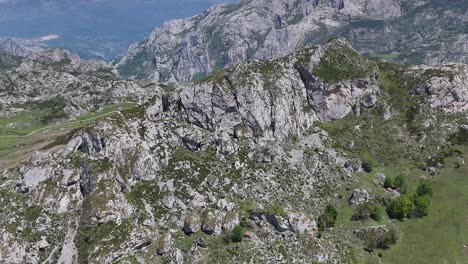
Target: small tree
(368, 163)
(401, 184)
(400, 208)
(367, 210)
(237, 234)
(424, 188)
(389, 182)
(421, 205)
(388, 238)
(328, 218)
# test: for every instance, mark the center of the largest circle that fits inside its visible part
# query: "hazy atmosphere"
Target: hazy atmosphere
(100, 29)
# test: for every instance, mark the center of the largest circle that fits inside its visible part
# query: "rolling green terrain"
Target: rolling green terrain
(442, 236)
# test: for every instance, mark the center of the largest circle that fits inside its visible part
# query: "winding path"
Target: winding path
(63, 124)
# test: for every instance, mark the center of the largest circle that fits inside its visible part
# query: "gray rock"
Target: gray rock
(212, 223)
(43, 244)
(201, 242)
(164, 244)
(369, 101)
(168, 201)
(192, 223)
(231, 219)
(360, 196)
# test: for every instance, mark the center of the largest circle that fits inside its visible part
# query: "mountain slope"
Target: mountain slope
(265, 145)
(181, 50)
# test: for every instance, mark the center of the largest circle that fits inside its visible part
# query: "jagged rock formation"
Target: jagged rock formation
(182, 50)
(245, 146)
(256, 99)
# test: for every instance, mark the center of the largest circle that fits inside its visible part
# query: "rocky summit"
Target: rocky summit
(411, 31)
(262, 162)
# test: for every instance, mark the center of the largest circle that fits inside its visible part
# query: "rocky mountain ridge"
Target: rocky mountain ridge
(192, 48)
(254, 144)
(81, 85)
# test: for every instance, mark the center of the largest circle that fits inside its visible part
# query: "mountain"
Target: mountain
(93, 29)
(412, 31)
(282, 148)
(20, 47)
(55, 85)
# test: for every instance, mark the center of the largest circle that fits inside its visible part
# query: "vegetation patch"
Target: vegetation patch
(343, 63)
(101, 240)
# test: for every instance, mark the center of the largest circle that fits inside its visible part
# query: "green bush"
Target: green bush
(388, 239)
(328, 218)
(389, 182)
(331, 210)
(237, 234)
(421, 205)
(383, 240)
(368, 163)
(400, 208)
(424, 188)
(368, 211)
(401, 184)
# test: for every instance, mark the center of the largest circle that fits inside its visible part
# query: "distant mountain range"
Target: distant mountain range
(410, 31)
(98, 29)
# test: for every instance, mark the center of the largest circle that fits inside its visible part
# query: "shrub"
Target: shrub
(389, 182)
(332, 211)
(237, 234)
(368, 211)
(388, 239)
(421, 205)
(368, 163)
(401, 184)
(400, 208)
(424, 188)
(379, 238)
(328, 218)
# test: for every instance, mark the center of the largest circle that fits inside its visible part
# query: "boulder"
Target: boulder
(360, 196)
(201, 242)
(211, 224)
(42, 244)
(369, 101)
(300, 223)
(192, 223)
(231, 219)
(164, 244)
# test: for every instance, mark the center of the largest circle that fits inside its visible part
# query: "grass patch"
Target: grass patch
(343, 63)
(439, 237)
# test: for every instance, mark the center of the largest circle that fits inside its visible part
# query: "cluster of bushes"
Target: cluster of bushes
(382, 241)
(368, 211)
(412, 205)
(399, 183)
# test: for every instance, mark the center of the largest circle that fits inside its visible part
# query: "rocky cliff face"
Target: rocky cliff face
(169, 180)
(268, 98)
(181, 50)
